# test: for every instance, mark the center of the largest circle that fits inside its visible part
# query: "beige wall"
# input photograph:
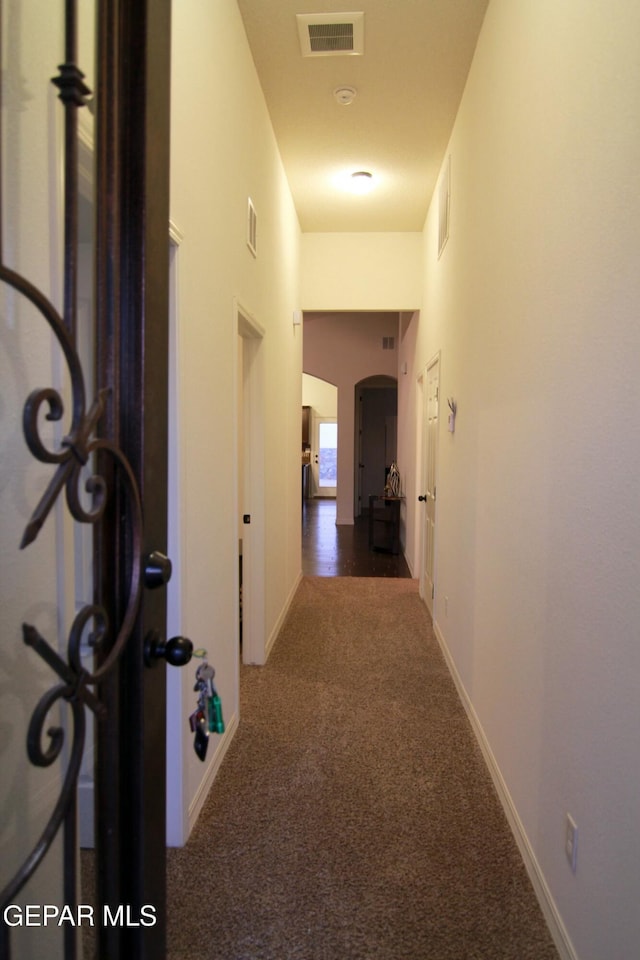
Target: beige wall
(223, 151)
(534, 307)
(320, 395)
(361, 271)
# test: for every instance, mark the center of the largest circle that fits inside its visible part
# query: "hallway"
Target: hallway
(342, 551)
(353, 817)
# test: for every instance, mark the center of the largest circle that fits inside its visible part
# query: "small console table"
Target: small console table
(384, 523)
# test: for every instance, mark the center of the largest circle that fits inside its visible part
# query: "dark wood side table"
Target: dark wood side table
(384, 523)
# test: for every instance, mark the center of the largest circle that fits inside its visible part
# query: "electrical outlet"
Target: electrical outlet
(571, 842)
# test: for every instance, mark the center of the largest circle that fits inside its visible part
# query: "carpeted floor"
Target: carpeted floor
(353, 817)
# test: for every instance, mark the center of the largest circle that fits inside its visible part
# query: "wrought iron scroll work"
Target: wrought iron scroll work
(76, 450)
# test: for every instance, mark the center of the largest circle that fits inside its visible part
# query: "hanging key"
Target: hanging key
(207, 718)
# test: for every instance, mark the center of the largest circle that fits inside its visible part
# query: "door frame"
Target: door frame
(133, 142)
(176, 829)
(250, 442)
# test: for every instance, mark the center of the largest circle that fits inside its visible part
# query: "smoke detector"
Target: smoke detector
(345, 95)
(331, 34)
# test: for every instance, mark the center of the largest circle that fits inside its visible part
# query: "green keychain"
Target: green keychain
(216, 723)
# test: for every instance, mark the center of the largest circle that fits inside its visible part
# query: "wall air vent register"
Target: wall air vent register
(252, 228)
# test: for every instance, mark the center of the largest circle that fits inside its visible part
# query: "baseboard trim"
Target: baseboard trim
(212, 771)
(548, 906)
(273, 636)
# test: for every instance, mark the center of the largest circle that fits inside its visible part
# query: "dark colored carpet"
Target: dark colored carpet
(353, 817)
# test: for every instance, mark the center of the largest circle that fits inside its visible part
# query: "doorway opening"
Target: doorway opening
(376, 440)
(325, 460)
(319, 438)
(249, 403)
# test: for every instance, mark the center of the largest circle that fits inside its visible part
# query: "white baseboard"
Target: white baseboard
(283, 613)
(549, 909)
(201, 794)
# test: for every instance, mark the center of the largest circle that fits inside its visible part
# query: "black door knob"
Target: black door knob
(157, 570)
(177, 651)
(422, 497)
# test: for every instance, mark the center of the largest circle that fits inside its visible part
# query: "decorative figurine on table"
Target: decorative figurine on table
(392, 487)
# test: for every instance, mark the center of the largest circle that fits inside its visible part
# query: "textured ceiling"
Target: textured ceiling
(409, 83)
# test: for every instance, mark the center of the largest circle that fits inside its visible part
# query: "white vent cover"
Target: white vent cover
(388, 343)
(252, 228)
(331, 34)
(444, 206)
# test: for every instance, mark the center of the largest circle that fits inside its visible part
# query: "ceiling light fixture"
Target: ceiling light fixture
(361, 181)
(345, 95)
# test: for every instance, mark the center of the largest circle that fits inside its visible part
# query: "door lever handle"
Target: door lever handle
(423, 497)
(177, 651)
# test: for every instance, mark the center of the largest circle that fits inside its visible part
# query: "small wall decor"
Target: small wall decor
(392, 488)
(453, 407)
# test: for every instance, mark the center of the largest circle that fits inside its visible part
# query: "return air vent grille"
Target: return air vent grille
(331, 34)
(252, 228)
(330, 37)
(388, 343)
(444, 206)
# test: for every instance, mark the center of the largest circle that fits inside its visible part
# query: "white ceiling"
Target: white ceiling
(409, 82)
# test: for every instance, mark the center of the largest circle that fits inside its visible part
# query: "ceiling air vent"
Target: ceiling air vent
(331, 34)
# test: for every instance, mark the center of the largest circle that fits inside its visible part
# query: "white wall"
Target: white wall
(361, 271)
(223, 151)
(534, 307)
(345, 348)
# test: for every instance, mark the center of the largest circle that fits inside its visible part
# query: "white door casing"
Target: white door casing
(252, 533)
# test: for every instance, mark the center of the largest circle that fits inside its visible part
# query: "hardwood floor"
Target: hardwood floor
(342, 551)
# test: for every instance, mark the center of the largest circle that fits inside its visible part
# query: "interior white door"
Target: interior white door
(428, 491)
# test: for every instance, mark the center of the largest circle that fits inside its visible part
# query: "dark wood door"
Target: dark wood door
(132, 235)
(123, 432)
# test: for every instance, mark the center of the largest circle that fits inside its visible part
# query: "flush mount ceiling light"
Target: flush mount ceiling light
(345, 95)
(361, 181)
(358, 181)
